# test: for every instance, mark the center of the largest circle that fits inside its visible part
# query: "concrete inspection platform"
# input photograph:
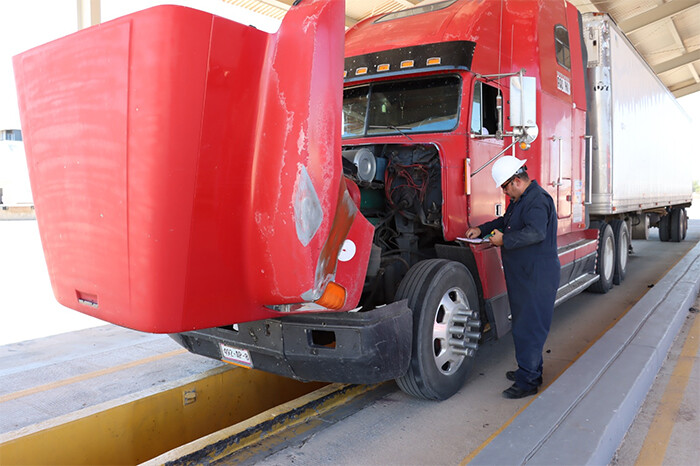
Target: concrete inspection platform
(583, 416)
(112, 395)
(580, 418)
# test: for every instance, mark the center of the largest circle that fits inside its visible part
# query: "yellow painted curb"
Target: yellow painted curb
(141, 426)
(275, 425)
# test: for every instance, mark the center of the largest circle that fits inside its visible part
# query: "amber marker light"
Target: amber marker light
(384, 67)
(407, 64)
(433, 61)
(333, 297)
(345, 74)
(524, 146)
(361, 71)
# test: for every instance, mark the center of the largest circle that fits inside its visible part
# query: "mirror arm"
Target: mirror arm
(493, 158)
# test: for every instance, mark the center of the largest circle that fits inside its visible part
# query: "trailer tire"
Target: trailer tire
(665, 228)
(676, 225)
(685, 223)
(622, 245)
(439, 290)
(605, 262)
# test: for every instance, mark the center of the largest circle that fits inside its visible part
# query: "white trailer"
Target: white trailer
(639, 148)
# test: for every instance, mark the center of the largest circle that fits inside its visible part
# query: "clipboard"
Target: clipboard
(474, 240)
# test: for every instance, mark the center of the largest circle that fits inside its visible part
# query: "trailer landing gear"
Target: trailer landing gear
(446, 323)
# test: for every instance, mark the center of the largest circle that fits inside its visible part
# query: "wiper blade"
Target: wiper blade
(395, 128)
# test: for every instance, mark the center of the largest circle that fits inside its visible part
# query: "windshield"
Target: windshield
(416, 106)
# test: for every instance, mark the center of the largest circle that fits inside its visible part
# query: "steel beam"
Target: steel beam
(88, 13)
(665, 10)
(685, 59)
(683, 91)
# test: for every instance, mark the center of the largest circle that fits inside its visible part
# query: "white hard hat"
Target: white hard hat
(504, 168)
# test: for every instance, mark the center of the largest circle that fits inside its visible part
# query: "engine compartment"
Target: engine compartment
(401, 195)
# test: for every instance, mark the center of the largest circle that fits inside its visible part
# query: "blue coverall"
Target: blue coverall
(532, 271)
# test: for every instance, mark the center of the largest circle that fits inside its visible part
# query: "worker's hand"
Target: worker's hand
(497, 238)
(473, 233)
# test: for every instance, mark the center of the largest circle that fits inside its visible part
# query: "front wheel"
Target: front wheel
(446, 328)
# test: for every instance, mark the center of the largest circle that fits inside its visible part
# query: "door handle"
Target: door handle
(558, 182)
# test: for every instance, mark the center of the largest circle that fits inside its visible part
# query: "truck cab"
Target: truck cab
(257, 217)
(426, 105)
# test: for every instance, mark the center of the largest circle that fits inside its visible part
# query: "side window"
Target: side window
(561, 46)
(484, 112)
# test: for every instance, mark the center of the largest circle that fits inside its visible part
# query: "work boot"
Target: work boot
(514, 392)
(510, 375)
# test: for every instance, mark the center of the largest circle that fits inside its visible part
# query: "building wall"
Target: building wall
(14, 176)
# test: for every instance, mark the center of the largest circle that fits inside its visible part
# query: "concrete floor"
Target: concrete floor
(398, 429)
(667, 427)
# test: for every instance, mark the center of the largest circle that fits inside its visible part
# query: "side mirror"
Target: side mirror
(523, 108)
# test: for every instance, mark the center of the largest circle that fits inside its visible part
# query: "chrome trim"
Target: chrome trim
(575, 246)
(589, 164)
(576, 286)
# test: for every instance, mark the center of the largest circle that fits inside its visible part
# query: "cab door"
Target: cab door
(556, 104)
(486, 201)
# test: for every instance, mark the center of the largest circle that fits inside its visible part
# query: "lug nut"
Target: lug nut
(458, 343)
(472, 335)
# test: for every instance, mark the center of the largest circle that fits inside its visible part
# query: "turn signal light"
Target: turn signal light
(333, 297)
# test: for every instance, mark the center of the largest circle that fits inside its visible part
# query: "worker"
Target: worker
(527, 235)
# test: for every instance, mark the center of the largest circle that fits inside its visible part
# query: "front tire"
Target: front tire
(446, 323)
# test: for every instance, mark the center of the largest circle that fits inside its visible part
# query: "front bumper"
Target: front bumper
(346, 347)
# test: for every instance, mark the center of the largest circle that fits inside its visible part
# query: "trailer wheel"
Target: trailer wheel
(665, 227)
(622, 245)
(446, 323)
(685, 223)
(676, 224)
(605, 262)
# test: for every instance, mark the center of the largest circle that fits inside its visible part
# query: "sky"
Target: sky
(27, 23)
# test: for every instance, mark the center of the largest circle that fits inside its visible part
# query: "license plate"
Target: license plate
(237, 356)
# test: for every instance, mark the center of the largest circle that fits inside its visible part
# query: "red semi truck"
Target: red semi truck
(272, 205)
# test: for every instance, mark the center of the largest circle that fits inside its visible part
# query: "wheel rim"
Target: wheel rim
(609, 258)
(453, 338)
